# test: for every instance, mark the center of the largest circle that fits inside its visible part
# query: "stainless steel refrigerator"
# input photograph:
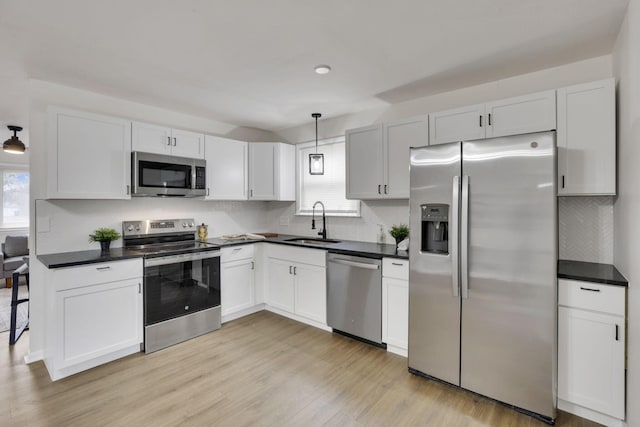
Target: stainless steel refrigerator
(483, 259)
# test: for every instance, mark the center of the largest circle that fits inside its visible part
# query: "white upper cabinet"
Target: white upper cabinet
(227, 168)
(364, 159)
(459, 124)
(151, 138)
(399, 137)
(272, 171)
(587, 139)
(377, 158)
(89, 155)
(534, 112)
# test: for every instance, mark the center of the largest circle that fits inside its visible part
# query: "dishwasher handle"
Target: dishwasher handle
(355, 264)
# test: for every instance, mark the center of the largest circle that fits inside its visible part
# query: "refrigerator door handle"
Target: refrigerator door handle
(453, 234)
(464, 238)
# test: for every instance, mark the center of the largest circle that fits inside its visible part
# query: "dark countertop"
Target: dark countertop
(349, 247)
(71, 259)
(591, 272)
(346, 247)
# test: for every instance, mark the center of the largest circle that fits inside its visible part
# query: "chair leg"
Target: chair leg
(9, 282)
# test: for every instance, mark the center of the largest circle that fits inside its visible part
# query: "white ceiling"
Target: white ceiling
(250, 62)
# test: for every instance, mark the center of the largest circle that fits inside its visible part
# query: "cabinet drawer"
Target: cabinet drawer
(395, 268)
(297, 254)
(234, 253)
(91, 274)
(592, 296)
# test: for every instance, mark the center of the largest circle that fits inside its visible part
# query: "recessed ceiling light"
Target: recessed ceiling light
(322, 69)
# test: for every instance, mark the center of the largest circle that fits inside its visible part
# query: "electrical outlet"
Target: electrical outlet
(284, 220)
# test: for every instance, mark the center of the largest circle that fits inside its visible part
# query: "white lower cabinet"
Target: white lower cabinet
(296, 283)
(591, 350)
(97, 313)
(237, 281)
(395, 305)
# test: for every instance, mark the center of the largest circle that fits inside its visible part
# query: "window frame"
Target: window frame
(20, 168)
(302, 165)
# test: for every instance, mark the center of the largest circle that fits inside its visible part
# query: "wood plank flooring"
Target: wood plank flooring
(261, 370)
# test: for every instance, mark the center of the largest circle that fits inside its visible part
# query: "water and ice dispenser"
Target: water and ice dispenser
(435, 228)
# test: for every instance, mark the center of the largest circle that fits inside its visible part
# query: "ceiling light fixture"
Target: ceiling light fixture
(13, 145)
(316, 161)
(322, 69)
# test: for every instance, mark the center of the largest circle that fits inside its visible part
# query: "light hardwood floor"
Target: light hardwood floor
(262, 370)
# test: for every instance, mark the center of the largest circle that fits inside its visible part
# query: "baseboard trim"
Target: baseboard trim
(397, 350)
(590, 414)
(238, 314)
(34, 356)
(298, 318)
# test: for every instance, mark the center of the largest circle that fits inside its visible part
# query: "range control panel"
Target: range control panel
(164, 226)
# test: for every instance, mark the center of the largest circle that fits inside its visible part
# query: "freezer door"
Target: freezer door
(508, 225)
(434, 302)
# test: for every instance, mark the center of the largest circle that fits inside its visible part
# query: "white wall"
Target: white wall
(71, 221)
(586, 224)
(626, 59)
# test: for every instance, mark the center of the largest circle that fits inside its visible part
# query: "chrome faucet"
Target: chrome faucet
(322, 233)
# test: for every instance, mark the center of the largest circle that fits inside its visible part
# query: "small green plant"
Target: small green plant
(104, 235)
(399, 232)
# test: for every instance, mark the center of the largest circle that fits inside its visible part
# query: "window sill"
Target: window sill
(332, 214)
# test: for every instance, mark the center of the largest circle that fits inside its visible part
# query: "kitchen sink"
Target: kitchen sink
(308, 241)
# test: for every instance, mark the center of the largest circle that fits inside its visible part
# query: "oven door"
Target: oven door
(177, 285)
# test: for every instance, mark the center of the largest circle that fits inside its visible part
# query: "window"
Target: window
(15, 197)
(329, 188)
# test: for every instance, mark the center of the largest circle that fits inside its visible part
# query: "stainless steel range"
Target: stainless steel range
(181, 280)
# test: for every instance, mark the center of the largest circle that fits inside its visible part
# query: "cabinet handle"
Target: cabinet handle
(590, 289)
(617, 337)
(168, 140)
(480, 120)
(290, 267)
(294, 271)
(253, 265)
(562, 181)
(385, 189)
(175, 141)
(139, 288)
(251, 193)
(379, 186)
(397, 263)
(103, 268)
(237, 249)
(489, 119)
(208, 192)
(128, 190)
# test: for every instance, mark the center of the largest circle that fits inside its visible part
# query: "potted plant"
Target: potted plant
(399, 232)
(104, 236)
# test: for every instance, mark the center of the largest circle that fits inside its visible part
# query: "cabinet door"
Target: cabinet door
(587, 139)
(459, 124)
(399, 137)
(150, 138)
(395, 312)
(89, 156)
(94, 321)
(286, 172)
(227, 168)
(280, 285)
(364, 159)
(237, 290)
(311, 292)
(187, 144)
(262, 174)
(534, 112)
(591, 368)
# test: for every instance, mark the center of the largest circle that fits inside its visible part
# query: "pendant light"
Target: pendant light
(316, 161)
(13, 145)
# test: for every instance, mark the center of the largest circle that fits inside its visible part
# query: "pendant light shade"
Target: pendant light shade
(316, 161)
(13, 145)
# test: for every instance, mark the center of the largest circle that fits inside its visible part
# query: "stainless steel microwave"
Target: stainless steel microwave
(164, 176)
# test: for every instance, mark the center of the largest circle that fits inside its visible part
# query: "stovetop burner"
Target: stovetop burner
(163, 237)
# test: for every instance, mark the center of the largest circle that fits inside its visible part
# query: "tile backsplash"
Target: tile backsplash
(585, 229)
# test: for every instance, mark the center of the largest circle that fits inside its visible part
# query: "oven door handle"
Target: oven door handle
(176, 259)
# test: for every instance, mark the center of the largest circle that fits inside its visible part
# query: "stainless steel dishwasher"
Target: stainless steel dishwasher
(354, 296)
